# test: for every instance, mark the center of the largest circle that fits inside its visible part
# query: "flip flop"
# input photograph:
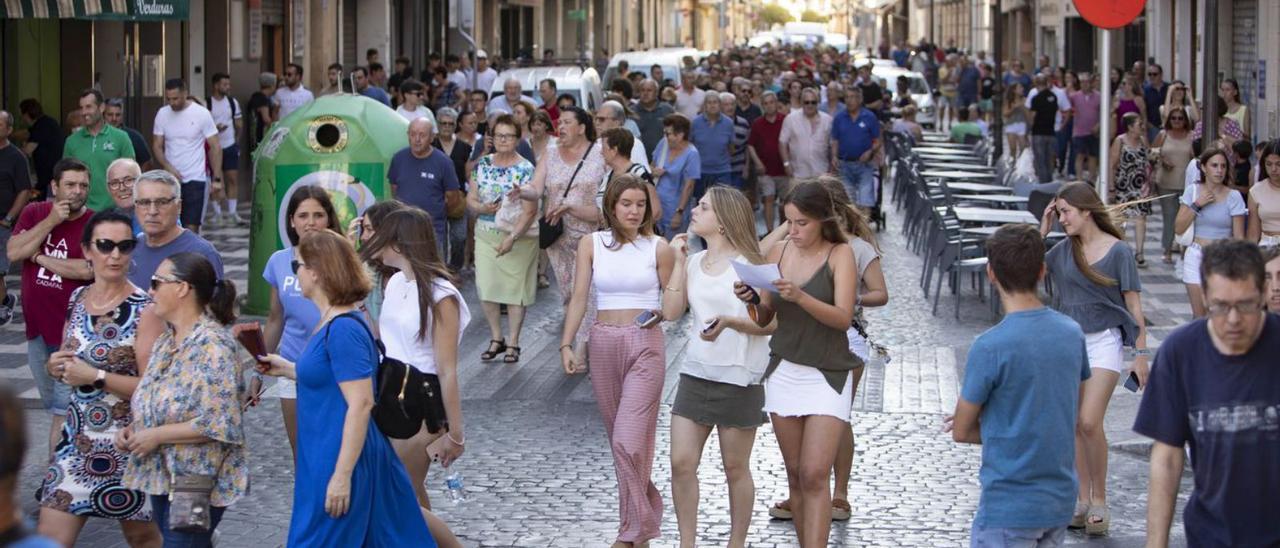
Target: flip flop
(840, 510)
(1078, 517)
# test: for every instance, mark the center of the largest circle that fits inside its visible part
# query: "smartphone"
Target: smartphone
(1131, 383)
(711, 326)
(497, 200)
(647, 319)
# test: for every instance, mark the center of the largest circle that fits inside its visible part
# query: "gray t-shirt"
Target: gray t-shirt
(1096, 307)
(147, 259)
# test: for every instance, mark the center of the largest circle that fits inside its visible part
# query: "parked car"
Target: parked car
(670, 59)
(921, 93)
(581, 83)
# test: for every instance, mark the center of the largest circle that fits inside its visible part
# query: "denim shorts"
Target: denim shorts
(860, 182)
(997, 537)
(54, 394)
(193, 199)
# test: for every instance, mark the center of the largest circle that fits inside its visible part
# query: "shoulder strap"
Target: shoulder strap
(377, 344)
(576, 169)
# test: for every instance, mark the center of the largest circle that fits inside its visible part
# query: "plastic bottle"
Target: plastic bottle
(454, 489)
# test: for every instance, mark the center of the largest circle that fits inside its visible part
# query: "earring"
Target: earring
(722, 230)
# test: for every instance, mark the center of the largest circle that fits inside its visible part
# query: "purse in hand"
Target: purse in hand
(190, 510)
(548, 233)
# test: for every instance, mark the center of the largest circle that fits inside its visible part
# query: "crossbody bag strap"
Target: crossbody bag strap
(577, 169)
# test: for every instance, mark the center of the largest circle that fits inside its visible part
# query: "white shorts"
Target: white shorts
(1105, 350)
(799, 391)
(285, 389)
(1191, 264)
(1019, 128)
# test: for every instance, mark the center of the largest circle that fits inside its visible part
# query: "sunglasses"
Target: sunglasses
(158, 280)
(1178, 118)
(106, 246)
(809, 102)
(296, 264)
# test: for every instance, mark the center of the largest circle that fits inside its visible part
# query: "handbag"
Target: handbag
(548, 233)
(189, 503)
(404, 398)
(1188, 236)
(455, 204)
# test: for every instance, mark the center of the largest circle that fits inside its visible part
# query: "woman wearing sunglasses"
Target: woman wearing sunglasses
(187, 409)
(293, 318)
(105, 322)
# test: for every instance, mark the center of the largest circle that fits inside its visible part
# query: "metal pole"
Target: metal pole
(997, 103)
(1209, 87)
(1104, 119)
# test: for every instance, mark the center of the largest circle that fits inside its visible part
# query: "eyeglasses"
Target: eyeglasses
(156, 203)
(809, 102)
(121, 183)
(106, 246)
(158, 280)
(296, 265)
(450, 124)
(505, 136)
(1243, 307)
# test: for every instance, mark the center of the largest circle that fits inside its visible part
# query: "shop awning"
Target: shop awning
(123, 10)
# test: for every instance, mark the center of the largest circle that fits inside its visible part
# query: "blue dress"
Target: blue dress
(688, 165)
(384, 510)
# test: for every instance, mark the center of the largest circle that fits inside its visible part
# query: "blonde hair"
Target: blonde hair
(738, 221)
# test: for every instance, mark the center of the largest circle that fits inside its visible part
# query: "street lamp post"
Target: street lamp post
(997, 102)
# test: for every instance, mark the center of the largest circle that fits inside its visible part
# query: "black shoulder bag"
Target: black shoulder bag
(404, 397)
(548, 233)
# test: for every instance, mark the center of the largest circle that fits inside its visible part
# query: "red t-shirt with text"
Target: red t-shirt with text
(44, 294)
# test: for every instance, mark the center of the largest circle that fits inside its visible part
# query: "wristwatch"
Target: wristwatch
(101, 381)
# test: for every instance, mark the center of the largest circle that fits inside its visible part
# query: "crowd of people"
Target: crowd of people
(640, 209)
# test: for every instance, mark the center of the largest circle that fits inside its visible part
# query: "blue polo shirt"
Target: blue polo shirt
(713, 142)
(854, 135)
(377, 94)
(422, 182)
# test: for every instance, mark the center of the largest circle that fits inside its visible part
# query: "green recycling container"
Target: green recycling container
(342, 143)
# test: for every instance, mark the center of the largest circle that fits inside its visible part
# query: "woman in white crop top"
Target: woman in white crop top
(720, 380)
(628, 266)
(421, 323)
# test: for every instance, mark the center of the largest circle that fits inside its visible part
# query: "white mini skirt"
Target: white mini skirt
(1105, 350)
(794, 390)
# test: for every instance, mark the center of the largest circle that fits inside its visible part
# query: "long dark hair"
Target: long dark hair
(109, 215)
(1207, 155)
(1272, 148)
(815, 201)
(302, 194)
(1082, 196)
(217, 296)
(409, 232)
(375, 214)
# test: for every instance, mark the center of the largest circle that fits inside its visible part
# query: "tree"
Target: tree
(774, 14)
(810, 16)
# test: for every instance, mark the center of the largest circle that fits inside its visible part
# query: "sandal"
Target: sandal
(492, 352)
(543, 281)
(513, 355)
(781, 510)
(1142, 262)
(1078, 517)
(840, 510)
(1098, 520)
(1168, 258)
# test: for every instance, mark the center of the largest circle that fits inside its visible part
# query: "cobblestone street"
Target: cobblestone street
(538, 470)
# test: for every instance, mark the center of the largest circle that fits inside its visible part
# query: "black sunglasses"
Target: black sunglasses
(810, 102)
(296, 264)
(106, 246)
(158, 280)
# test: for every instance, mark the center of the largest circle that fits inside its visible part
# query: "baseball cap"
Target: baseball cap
(481, 54)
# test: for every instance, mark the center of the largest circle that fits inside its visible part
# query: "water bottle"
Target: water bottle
(453, 486)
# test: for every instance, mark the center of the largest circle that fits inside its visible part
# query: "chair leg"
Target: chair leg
(937, 291)
(959, 293)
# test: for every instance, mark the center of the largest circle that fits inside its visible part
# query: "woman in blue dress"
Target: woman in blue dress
(678, 167)
(350, 489)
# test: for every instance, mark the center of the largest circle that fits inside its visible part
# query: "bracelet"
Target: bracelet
(672, 289)
(1142, 352)
(564, 346)
(462, 443)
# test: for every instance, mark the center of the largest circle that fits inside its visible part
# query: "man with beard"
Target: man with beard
(97, 144)
(185, 142)
(46, 240)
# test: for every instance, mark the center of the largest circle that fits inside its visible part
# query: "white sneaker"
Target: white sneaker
(236, 220)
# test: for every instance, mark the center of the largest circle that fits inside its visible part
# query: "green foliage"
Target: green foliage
(774, 14)
(810, 16)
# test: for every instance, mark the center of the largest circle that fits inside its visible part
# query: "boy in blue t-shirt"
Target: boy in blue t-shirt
(1019, 399)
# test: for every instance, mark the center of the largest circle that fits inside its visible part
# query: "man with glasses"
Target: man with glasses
(1215, 388)
(121, 176)
(804, 142)
(1154, 92)
(745, 108)
(114, 114)
(46, 241)
(15, 187)
(649, 114)
(97, 144)
(293, 95)
(157, 200)
(610, 115)
(1086, 107)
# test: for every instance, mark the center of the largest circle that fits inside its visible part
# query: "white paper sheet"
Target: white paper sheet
(759, 276)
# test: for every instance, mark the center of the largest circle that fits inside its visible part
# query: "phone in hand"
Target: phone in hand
(711, 326)
(648, 319)
(1131, 384)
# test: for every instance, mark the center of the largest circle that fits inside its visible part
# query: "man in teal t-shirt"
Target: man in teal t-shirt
(97, 144)
(965, 127)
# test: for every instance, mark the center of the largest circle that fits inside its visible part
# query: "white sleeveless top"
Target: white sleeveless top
(626, 277)
(734, 357)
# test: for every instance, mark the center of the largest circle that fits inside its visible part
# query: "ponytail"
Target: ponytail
(222, 304)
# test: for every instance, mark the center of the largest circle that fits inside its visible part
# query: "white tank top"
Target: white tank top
(626, 277)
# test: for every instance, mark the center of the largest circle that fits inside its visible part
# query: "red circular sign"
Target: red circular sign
(1109, 14)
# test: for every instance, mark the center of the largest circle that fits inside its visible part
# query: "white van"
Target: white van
(582, 84)
(919, 87)
(670, 59)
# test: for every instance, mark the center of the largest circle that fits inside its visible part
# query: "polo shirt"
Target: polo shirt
(97, 152)
(713, 140)
(376, 93)
(764, 138)
(650, 122)
(422, 182)
(854, 135)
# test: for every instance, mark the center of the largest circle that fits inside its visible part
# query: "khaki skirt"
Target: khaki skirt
(712, 403)
(511, 279)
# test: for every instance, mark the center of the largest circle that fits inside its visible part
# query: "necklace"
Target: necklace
(99, 305)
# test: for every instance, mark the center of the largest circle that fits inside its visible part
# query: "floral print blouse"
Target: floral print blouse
(200, 379)
(494, 182)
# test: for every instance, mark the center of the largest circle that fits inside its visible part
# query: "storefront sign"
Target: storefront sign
(130, 10)
(1110, 14)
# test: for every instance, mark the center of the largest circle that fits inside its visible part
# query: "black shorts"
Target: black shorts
(193, 199)
(231, 158)
(1085, 145)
